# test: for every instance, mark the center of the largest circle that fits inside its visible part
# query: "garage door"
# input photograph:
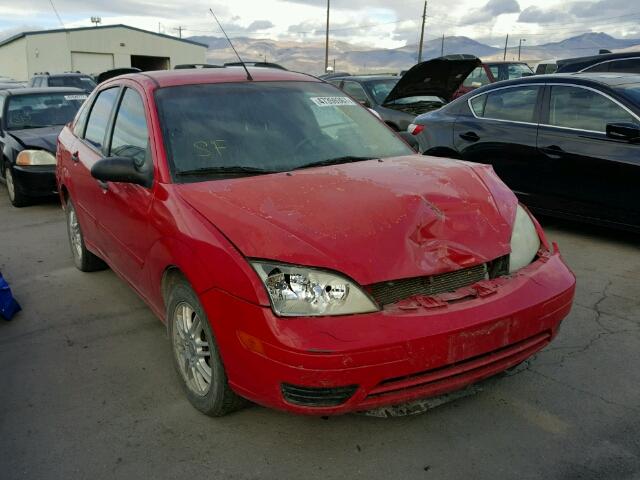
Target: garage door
(91, 63)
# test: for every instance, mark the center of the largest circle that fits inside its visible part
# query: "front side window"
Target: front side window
(477, 78)
(582, 109)
(39, 110)
(516, 104)
(211, 129)
(130, 136)
(99, 117)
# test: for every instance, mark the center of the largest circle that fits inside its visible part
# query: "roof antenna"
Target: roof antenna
(249, 77)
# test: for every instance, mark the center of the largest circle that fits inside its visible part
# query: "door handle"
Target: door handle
(470, 136)
(553, 151)
(74, 157)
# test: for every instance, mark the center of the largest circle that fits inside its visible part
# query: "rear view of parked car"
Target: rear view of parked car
(256, 217)
(30, 121)
(425, 87)
(568, 145)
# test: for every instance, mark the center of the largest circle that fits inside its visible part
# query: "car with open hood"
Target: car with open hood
(300, 253)
(425, 87)
(30, 121)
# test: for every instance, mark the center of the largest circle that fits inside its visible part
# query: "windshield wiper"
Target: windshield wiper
(230, 170)
(336, 161)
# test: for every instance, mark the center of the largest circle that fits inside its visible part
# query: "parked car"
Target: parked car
(567, 144)
(30, 121)
(67, 79)
(626, 62)
(425, 87)
(331, 75)
(301, 254)
(492, 72)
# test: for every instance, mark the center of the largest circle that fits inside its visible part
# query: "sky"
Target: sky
(373, 23)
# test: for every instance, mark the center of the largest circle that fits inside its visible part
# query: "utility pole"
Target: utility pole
(159, 29)
(326, 45)
(334, 64)
(504, 57)
(179, 29)
(424, 18)
(442, 47)
(520, 47)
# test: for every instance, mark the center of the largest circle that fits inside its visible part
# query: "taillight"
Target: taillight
(415, 129)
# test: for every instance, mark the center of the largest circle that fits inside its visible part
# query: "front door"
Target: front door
(592, 175)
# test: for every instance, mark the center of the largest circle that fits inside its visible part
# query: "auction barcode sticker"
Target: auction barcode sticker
(332, 101)
(75, 97)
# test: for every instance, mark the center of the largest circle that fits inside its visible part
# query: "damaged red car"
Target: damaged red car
(301, 254)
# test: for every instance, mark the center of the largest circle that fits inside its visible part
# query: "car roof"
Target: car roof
(30, 90)
(65, 74)
(606, 79)
(365, 78)
(171, 78)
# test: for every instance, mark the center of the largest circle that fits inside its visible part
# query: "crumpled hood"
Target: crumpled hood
(43, 138)
(374, 221)
(440, 77)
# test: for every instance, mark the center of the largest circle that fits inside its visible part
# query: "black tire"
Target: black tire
(84, 260)
(16, 197)
(218, 399)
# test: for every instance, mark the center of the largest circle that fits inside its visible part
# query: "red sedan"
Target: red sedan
(300, 253)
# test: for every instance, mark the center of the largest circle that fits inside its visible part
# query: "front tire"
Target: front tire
(16, 198)
(196, 357)
(84, 260)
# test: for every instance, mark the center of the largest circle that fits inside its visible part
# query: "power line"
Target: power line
(57, 15)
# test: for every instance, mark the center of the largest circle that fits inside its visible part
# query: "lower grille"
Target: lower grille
(317, 396)
(386, 293)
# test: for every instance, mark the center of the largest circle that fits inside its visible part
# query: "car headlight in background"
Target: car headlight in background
(303, 292)
(35, 157)
(525, 241)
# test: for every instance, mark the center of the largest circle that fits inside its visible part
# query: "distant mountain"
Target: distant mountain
(309, 56)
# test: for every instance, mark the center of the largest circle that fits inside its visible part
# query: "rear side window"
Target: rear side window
(582, 109)
(130, 136)
(99, 117)
(629, 65)
(512, 104)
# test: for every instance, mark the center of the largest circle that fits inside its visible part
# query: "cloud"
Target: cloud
(260, 25)
(10, 32)
(491, 10)
(538, 15)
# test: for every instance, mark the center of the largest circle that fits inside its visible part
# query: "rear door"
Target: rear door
(500, 129)
(91, 147)
(590, 174)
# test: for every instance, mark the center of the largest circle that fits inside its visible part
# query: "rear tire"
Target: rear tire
(84, 260)
(196, 357)
(16, 198)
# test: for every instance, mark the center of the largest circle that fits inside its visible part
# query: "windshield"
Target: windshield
(85, 83)
(42, 109)
(380, 89)
(247, 128)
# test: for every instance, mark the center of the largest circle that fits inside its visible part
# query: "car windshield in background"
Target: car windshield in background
(85, 83)
(42, 109)
(380, 89)
(259, 127)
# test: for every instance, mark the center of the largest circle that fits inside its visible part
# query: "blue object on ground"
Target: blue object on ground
(8, 305)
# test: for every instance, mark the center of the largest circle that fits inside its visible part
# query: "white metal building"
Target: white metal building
(93, 50)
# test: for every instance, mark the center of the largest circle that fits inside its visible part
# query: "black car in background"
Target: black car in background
(30, 121)
(67, 79)
(625, 62)
(568, 145)
(427, 86)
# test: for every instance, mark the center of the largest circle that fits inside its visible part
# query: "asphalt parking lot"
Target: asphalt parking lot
(87, 388)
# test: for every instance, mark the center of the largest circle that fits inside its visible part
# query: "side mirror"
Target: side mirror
(410, 139)
(629, 132)
(123, 170)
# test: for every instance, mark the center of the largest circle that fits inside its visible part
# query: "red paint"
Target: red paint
(373, 221)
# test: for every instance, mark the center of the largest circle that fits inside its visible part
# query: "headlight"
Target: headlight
(303, 292)
(35, 157)
(525, 242)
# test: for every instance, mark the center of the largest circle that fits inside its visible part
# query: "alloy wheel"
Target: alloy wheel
(11, 188)
(75, 235)
(191, 349)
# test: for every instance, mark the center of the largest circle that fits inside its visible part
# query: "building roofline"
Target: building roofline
(119, 25)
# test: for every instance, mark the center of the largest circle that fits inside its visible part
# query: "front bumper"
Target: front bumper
(35, 181)
(393, 356)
